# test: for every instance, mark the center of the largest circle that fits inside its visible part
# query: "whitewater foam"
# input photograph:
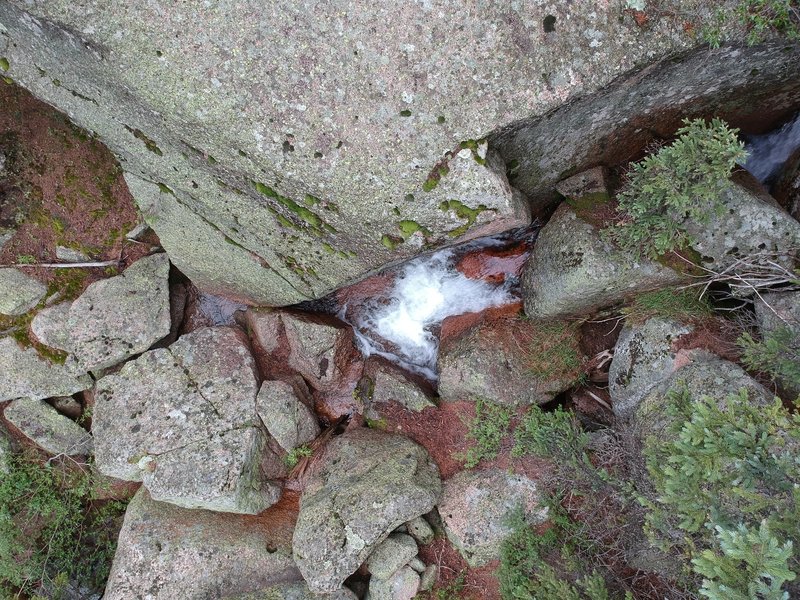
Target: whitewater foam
(767, 153)
(426, 291)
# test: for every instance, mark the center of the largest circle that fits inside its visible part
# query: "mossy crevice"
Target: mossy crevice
(148, 143)
(313, 222)
(462, 211)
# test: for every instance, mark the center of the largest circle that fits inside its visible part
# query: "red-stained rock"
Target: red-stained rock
(494, 264)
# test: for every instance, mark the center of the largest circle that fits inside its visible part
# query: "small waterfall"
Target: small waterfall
(402, 323)
(767, 153)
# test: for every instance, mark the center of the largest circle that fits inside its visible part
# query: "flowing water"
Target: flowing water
(767, 153)
(402, 323)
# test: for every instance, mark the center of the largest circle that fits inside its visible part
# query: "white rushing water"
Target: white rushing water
(425, 291)
(767, 153)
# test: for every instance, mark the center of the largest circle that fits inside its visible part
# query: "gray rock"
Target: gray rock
(313, 347)
(114, 318)
(71, 255)
(775, 311)
(24, 373)
(611, 127)
(207, 129)
(294, 591)
(705, 374)
(589, 186)
(403, 585)
(137, 233)
(19, 292)
(428, 578)
(67, 406)
(166, 552)
(182, 421)
(572, 271)
(420, 530)
(369, 483)
(391, 554)
(5, 451)
(213, 261)
(643, 358)
(6, 234)
(492, 362)
(390, 385)
(47, 428)
(476, 506)
(286, 418)
(416, 564)
(748, 226)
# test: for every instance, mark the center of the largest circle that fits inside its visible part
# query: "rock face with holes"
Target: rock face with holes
(475, 508)
(167, 552)
(573, 271)
(24, 373)
(702, 374)
(283, 198)
(643, 358)
(751, 223)
(183, 421)
(114, 318)
(369, 484)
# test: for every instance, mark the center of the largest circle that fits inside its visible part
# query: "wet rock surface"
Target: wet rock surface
(182, 420)
(25, 373)
(166, 552)
(19, 292)
(114, 318)
(390, 384)
(369, 483)
(643, 358)
(475, 508)
(47, 428)
(612, 127)
(572, 271)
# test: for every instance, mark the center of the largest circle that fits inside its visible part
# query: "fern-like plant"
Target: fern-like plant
(682, 181)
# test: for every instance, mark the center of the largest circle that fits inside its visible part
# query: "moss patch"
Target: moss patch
(148, 143)
(462, 211)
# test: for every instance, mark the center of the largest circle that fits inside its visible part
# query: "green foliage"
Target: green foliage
(453, 591)
(293, 457)
(729, 467)
(553, 434)
(525, 573)
(764, 16)
(25, 259)
(669, 303)
(51, 532)
(487, 430)
(684, 180)
(759, 18)
(778, 354)
(555, 352)
(751, 563)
